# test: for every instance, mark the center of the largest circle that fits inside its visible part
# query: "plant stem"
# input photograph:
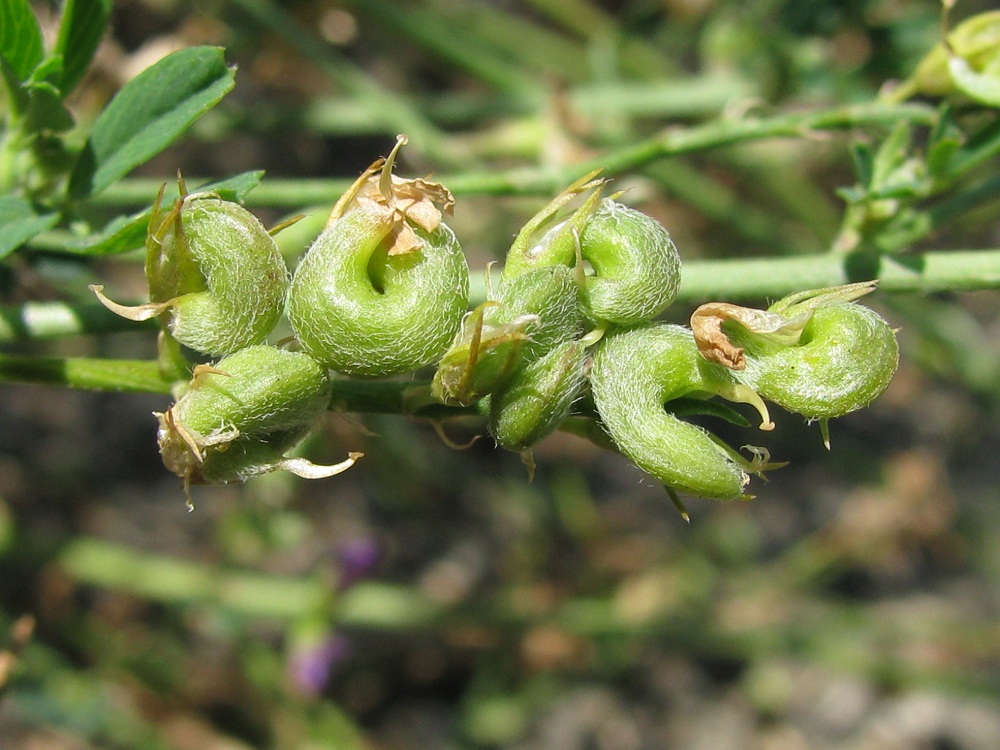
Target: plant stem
(43, 320)
(124, 375)
(728, 279)
(547, 181)
(758, 278)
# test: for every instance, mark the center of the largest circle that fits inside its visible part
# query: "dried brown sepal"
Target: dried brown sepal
(715, 345)
(409, 202)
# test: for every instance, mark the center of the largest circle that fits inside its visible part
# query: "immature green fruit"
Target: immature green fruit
(637, 270)
(384, 288)
(216, 279)
(967, 61)
(241, 416)
(815, 353)
(539, 397)
(635, 373)
(635, 267)
(532, 314)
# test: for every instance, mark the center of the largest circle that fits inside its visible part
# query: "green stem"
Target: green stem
(757, 278)
(728, 279)
(547, 181)
(44, 320)
(125, 375)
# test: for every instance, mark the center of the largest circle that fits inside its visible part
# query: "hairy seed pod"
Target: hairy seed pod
(815, 353)
(844, 360)
(384, 288)
(635, 373)
(240, 416)
(637, 270)
(216, 279)
(538, 397)
(532, 314)
(549, 238)
(634, 265)
(551, 294)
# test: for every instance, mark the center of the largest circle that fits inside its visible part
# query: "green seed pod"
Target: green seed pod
(240, 416)
(635, 265)
(384, 288)
(539, 397)
(635, 373)
(532, 314)
(216, 279)
(553, 296)
(637, 270)
(966, 62)
(815, 353)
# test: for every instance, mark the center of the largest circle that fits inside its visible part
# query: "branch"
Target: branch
(728, 279)
(293, 194)
(124, 375)
(42, 320)
(758, 278)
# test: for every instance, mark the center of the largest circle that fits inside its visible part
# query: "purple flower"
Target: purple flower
(358, 559)
(311, 665)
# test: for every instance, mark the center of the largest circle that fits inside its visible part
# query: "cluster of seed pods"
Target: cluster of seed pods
(571, 328)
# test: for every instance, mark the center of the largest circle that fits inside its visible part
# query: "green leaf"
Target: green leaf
(945, 140)
(981, 147)
(80, 30)
(689, 407)
(863, 158)
(127, 233)
(235, 188)
(19, 223)
(149, 113)
(45, 111)
(121, 235)
(21, 48)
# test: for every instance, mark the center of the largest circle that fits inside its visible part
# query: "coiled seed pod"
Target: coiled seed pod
(815, 353)
(240, 416)
(384, 288)
(216, 279)
(635, 265)
(637, 270)
(635, 372)
(538, 397)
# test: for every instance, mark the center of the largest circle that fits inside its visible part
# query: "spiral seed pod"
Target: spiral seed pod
(216, 279)
(384, 288)
(815, 353)
(635, 267)
(635, 373)
(240, 416)
(538, 398)
(532, 314)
